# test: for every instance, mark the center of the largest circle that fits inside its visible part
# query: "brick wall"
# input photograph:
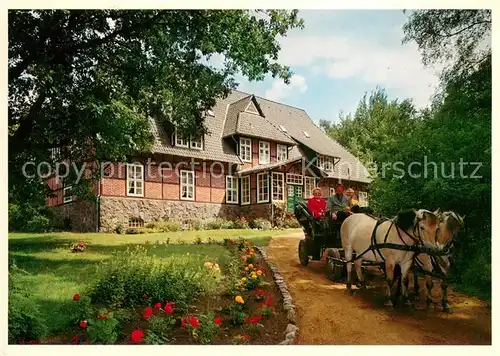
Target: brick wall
(82, 216)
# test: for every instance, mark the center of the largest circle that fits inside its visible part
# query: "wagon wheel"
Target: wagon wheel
(303, 256)
(334, 269)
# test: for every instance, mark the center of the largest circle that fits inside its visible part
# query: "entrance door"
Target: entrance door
(294, 195)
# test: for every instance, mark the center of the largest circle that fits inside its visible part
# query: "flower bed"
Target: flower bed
(138, 300)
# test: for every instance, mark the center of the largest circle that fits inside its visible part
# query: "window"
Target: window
(231, 189)
(278, 186)
(187, 185)
(282, 153)
(135, 180)
(245, 190)
(246, 149)
(309, 187)
(325, 163)
(68, 197)
(180, 140)
(263, 152)
(187, 142)
(292, 178)
(363, 198)
(135, 222)
(262, 188)
(332, 191)
(197, 143)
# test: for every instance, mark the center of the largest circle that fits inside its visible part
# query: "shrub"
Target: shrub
(29, 218)
(208, 328)
(164, 226)
(78, 310)
(159, 330)
(25, 320)
(261, 224)
(215, 224)
(195, 224)
(227, 224)
(291, 223)
(24, 317)
(103, 329)
(130, 278)
(241, 223)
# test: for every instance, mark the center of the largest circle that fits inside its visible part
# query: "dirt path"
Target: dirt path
(327, 314)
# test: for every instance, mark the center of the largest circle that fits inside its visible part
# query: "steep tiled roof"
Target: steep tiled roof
(229, 119)
(263, 167)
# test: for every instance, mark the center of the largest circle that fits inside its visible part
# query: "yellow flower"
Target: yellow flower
(250, 266)
(254, 276)
(251, 250)
(244, 279)
(239, 299)
(208, 265)
(246, 268)
(259, 272)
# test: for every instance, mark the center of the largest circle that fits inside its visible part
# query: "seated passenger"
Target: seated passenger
(316, 205)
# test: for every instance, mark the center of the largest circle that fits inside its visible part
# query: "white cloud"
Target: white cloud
(340, 57)
(280, 90)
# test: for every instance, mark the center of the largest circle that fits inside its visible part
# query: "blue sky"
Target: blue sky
(340, 55)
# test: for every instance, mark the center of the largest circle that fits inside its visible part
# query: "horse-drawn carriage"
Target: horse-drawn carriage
(425, 235)
(323, 235)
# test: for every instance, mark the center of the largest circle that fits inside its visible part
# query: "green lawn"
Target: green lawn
(54, 274)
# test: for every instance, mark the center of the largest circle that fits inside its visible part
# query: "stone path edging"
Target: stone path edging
(292, 330)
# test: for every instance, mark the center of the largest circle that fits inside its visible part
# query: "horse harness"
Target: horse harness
(417, 248)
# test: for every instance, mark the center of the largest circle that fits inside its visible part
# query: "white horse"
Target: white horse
(360, 233)
(450, 224)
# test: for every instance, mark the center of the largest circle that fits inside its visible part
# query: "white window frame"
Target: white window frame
(245, 192)
(232, 186)
(134, 167)
(196, 144)
(67, 198)
(292, 178)
(332, 191)
(325, 163)
(187, 173)
(284, 152)
(184, 141)
(246, 143)
(282, 178)
(311, 187)
(266, 175)
(263, 149)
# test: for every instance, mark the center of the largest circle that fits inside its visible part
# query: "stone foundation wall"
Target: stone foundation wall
(81, 215)
(255, 211)
(118, 210)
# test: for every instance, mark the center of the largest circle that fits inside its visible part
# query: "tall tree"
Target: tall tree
(89, 79)
(458, 39)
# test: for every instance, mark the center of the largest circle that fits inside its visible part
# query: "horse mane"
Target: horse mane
(405, 219)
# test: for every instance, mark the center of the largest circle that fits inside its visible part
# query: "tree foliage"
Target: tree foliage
(90, 79)
(444, 151)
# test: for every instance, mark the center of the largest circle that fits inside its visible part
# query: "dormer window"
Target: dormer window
(325, 163)
(181, 141)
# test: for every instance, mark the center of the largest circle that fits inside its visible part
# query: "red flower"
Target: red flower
(76, 297)
(269, 301)
(254, 320)
(147, 312)
(83, 324)
(218, 321)
(194, 322)
(259, 293)
(145, 296)
(74, 340)
(183, 322)
(157, 306)
(169, 308)
(136, 335)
